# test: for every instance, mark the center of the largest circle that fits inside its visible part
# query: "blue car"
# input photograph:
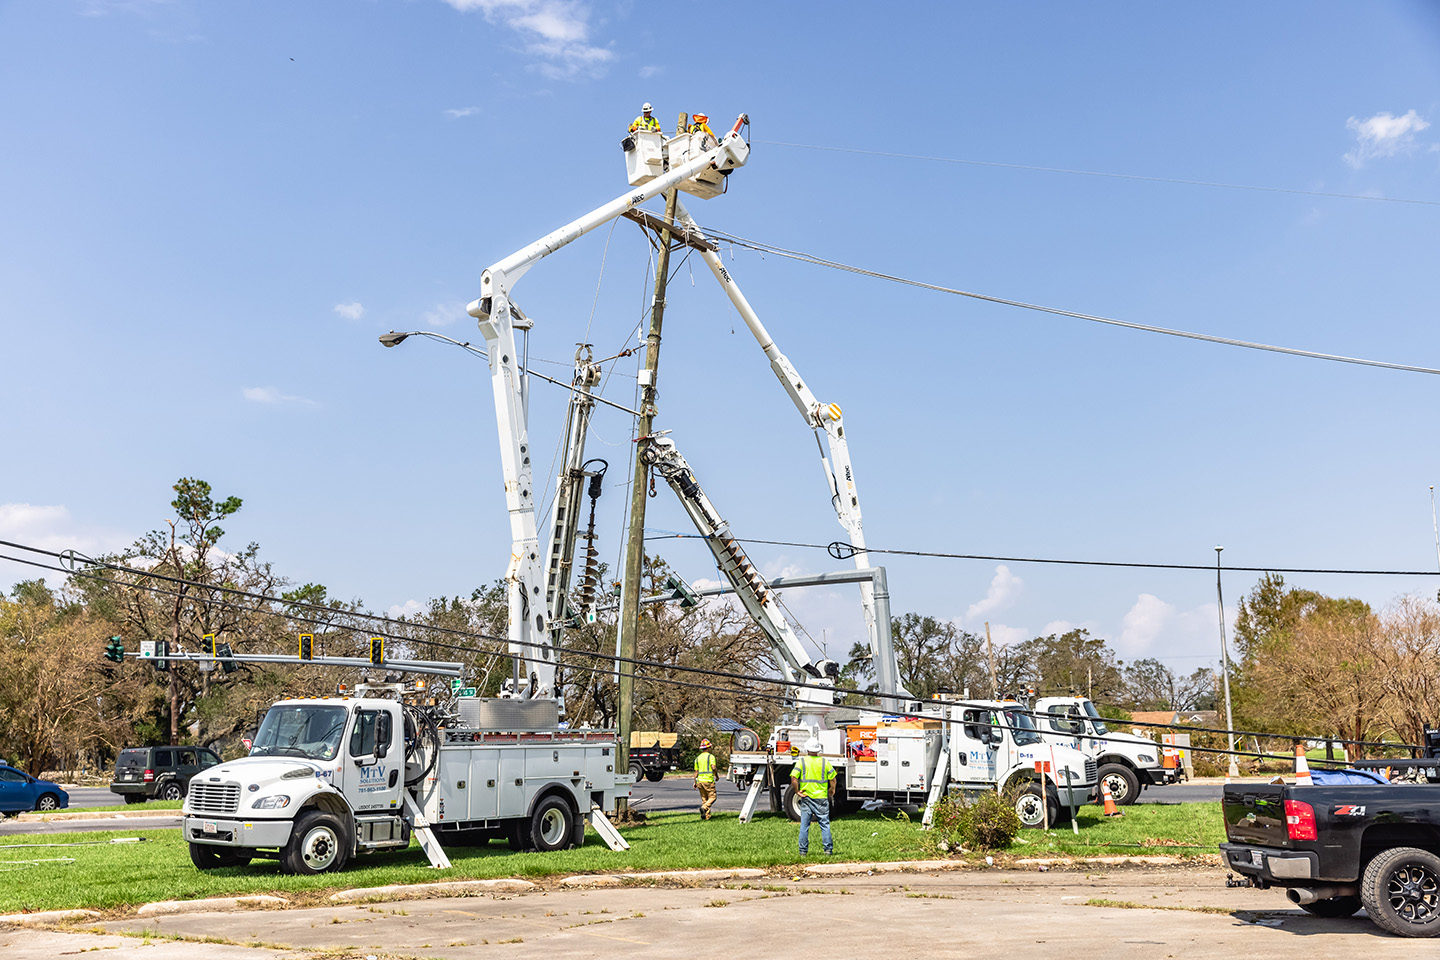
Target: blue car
(20, 792)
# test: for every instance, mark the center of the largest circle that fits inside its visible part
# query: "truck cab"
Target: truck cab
(997, 744)
(1125, 763)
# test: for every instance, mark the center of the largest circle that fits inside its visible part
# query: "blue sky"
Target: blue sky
(212, 210)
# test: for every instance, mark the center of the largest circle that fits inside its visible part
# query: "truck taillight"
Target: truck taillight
(1299, 820)
(149, 775)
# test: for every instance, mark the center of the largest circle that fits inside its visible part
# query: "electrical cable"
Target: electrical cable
(1057, 311)
(1097, 173)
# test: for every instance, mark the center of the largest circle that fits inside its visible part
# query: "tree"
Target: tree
(1410, 666)
(1074, 661)
(1150, 685)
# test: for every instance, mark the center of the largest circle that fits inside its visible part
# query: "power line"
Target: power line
(1099, 173)
(844, 551)
(763, 248)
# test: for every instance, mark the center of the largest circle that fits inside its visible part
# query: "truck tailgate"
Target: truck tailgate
(1255, 813)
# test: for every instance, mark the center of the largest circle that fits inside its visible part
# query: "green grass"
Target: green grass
(118, 876)
(131, 807)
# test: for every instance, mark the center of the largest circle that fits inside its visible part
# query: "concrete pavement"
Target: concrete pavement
(1106, 912)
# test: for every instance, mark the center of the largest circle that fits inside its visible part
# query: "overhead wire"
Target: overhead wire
(761, 247)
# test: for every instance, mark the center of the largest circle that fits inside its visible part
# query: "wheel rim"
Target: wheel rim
(1030, 810)
(320, 848)
(1119, 786)
(48, 803)
(171, 792)
(552, 826)
(1414, 894)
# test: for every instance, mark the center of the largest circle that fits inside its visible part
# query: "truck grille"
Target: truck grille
(1092, 772)
(213, 798)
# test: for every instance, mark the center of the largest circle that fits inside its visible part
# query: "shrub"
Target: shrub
(986, 821)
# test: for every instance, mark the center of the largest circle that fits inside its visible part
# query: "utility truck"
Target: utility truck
(329, 778)
(1126, 763)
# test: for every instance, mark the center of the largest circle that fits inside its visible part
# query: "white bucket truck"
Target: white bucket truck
(328, 778)
(1126, 763)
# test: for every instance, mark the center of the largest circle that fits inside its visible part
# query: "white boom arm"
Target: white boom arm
(838, 470)
(497, 313)
(759, 600)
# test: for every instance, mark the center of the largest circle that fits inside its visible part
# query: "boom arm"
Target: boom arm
(838, 470)
(750, 586)
(497, 314)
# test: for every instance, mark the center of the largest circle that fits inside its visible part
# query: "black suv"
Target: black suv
(158, 773)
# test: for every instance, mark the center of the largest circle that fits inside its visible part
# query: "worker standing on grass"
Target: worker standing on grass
(705, 778)
(645, 123)
(813, 780)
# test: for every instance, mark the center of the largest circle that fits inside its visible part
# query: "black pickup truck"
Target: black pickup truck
(1351, 839)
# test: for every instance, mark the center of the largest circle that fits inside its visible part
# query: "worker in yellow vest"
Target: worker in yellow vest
(645, 123)
(813, 780)
(705, 778)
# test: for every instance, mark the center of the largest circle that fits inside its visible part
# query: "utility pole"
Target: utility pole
(629, 626)
(990, 655)
(1234, 770)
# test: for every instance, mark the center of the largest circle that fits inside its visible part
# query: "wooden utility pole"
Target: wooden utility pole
(629, 626)
(990, 655)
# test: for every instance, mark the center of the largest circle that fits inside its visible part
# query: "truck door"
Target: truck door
(373, 773)
(975, 746)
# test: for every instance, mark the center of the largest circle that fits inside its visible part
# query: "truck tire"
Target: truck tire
(1124, 785)
(207, 857)
(552, 825)
(791, 803)
(637, 771)
(317, 844)
(1334, 907)
(1401, 892)
(654, 776)
(134, 798)
(1031, 808)
(517, 834)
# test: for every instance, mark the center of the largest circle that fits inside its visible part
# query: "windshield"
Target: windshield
(300, 731)
(1022, 728)
(1094, 715)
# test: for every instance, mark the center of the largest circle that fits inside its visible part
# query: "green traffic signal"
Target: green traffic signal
(115, 650)
(207, 644)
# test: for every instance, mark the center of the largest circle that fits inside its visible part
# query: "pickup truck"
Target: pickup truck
(1351, 839)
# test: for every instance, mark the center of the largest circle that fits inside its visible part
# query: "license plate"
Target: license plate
(208, 827)
(1257, 859)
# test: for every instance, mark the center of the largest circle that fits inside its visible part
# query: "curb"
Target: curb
(104, 815)
(892, 866)
(619, 879)
(49, 916)
(417, 891)
(166, 907)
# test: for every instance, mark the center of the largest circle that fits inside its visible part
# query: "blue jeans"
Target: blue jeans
(813, 809)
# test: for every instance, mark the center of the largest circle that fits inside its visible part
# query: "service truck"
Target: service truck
(1126, 763)
(1349, 839)
(329, 778)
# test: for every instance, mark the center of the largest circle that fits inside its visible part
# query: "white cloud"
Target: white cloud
(456, 113)
(443, 314)
(407, 609)
(1005, 589)
(647, 72)
(49, 528)
(1383, 135)
(1143, 625)
(556, 31)
(350, 311)
(271, 395)
(1002, 635)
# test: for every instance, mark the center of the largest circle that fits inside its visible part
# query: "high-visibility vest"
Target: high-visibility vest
(814, 774)
(700, 128)
(643, 122)
(705, 767)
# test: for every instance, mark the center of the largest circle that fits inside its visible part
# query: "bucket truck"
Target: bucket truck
(1127, 763)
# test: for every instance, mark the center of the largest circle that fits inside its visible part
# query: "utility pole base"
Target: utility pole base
(607, 830)
(433, 851)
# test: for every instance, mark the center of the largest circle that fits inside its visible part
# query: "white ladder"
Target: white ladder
(606, 829)
(426, 836)
(939, 780)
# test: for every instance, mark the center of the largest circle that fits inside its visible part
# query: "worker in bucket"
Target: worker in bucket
(645, 123)
(813, 780)
(705, 778)
(700, 123)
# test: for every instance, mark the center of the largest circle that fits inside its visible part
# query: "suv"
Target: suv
(158, 773)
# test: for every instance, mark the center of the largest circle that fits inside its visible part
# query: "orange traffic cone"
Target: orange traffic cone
(1302, 767)
(1110, 809)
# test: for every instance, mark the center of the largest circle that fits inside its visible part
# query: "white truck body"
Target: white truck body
(1127, 764)
(327, 779)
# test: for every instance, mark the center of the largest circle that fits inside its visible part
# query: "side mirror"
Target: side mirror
(382, 735)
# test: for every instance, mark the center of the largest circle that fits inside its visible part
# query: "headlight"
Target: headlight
(1066, 775)
(1144, 758)
(271, 803)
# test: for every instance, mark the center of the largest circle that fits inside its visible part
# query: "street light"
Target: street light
(1234, 770)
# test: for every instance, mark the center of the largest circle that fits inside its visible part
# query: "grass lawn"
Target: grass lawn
(86, 870)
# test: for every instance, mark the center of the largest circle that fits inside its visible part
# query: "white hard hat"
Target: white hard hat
(812, 746)
(646, 108)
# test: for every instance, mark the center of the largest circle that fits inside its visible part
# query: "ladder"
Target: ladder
(606, 829)
(939, 780)
(425, 835)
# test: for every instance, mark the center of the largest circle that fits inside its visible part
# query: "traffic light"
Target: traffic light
(226, 655)
(680, 590)
(377, 650)
(115, 650)
(307, 646)
(162, 654)
(207, 644)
